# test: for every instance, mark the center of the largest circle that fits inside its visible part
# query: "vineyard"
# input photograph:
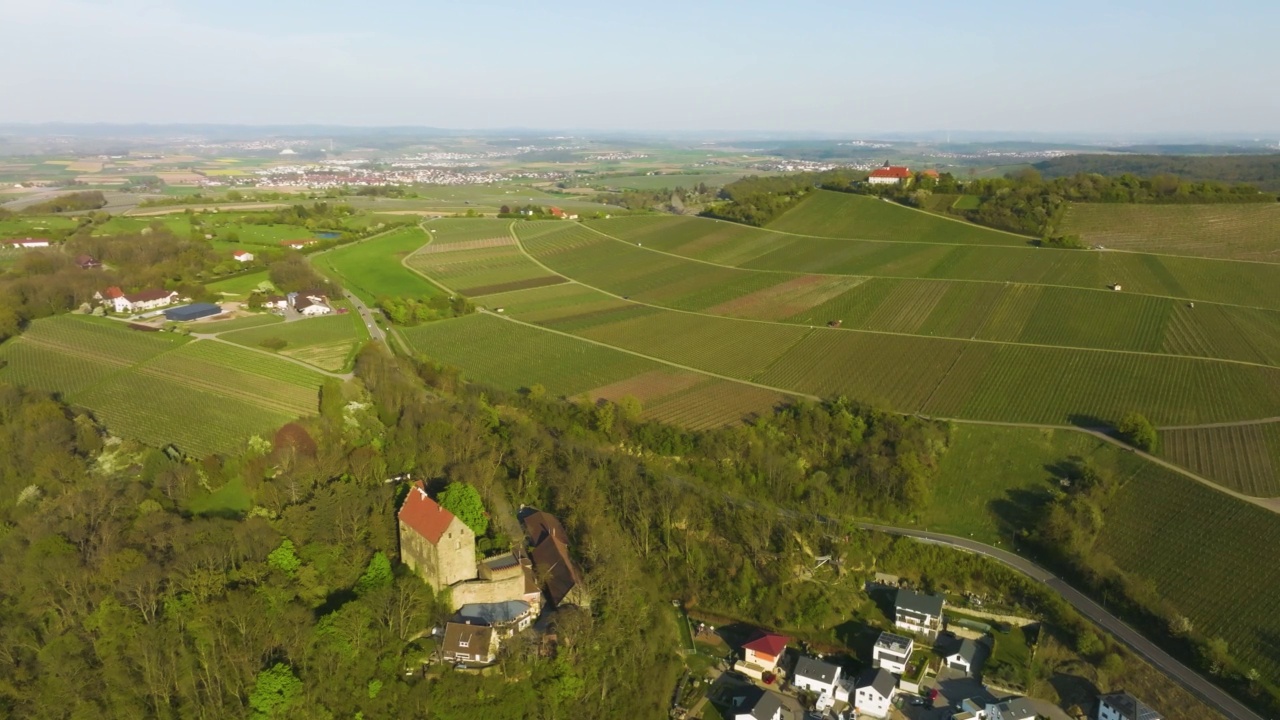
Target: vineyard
(1245, 458)
(160, 388)
(329, 342)
(1212, 557)
(447, 231)
(841, 215)
(1241, 232)
(460, 259)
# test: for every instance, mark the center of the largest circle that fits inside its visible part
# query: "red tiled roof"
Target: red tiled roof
(931, 173)
(892, 171)
(238, 253)
(768, 644)
(113, 292)
(551, 556)
(424, 515)
(148, 295)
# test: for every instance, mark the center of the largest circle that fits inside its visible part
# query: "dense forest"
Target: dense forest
(1262, 171)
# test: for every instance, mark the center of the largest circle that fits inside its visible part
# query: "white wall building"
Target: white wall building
(892, 652)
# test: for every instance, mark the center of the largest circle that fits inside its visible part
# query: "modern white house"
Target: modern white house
(1123, 706)
(873, 693)
(1012, 709)
(820, 677)
(918, 613)
(962, 657)
(891, 652)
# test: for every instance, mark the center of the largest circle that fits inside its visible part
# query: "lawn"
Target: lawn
(372, 268)
(1240, 231)
(241, 286)
(160, 388)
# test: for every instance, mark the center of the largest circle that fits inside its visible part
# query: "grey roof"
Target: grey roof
(967, 649)
(494, 613)
(194, 311)
(879, 679)
(816, 669)
(918, 603)
(1130, 707)
(1017, 709)
(896, 643)
(760, 704)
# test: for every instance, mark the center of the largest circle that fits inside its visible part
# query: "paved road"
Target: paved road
(366, 315)
(1185, 676)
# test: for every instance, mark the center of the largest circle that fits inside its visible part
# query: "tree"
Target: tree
(464, 501)
(275, 691)
(376, 575)
(1138, 431)
(284, 559)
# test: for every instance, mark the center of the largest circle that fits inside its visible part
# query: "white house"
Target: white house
(309, 308)
(962, 657)
(30, 243)
(143, 301)
(873, 693)
(762, 655)
(1014, 709)
(1123, 706)
(756, 704)
(892, 652)
(242, 256)
(889, 175)
(918, 613)
(822, 678)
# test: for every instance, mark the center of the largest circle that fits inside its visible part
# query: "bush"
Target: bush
(273, 343)
(1138, 431)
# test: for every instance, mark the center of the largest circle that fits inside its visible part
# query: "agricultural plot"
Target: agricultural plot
(714, 403)
(511, 356)
(372, 268)
(447, 231)
(265, 235)
(841, 215)
(480, 271)
(672, 181)
(1156, 531)
(554, 302)
(328, 343)
(715, 241)
(240, 323)
(20, 227)
(1234, 231)
(121, 225)
(148, 386)
(1245, 458)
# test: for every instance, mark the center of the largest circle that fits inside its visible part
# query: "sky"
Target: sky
(1116, 67)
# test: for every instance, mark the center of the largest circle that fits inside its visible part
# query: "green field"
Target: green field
(477, 258)
(372, 268)
(240, 323)
(669, 181)
(328, 342)
(19, 227)
(240, 286)
(1238, 231)
(160, 388)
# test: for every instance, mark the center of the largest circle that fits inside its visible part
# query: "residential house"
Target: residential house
(506, 618)
(889, 175)
(87, 262)
(1123, 706)
(822, 678)
(551, 559)
(298, 244)
(469, 643)
(917, 612)
(873, 693)
(931, 173)
(755, 703)
(1012, 709)
(143, 301)
(30, 243)
(963, 656)
(891, 652)
(434, 543)
(243, 256)
(275, 302)
(763, 654)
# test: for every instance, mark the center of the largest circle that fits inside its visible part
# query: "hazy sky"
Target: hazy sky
(841, 66)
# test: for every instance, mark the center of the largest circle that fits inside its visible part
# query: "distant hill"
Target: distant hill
(1262, 171)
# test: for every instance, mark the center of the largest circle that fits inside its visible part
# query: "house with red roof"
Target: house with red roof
(434, 543)
(140, 301)
(762, 654)
(242, 256)
(890, 175)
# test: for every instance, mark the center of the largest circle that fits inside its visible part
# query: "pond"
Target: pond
(328, 235)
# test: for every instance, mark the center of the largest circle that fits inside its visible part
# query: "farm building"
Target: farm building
(87, 262)
(890, 175)
(310, 307)
(142, 301)
(30, 243)
(242, 256)
(195, 311)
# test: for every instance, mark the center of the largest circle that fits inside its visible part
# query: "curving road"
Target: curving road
(1211, 694)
